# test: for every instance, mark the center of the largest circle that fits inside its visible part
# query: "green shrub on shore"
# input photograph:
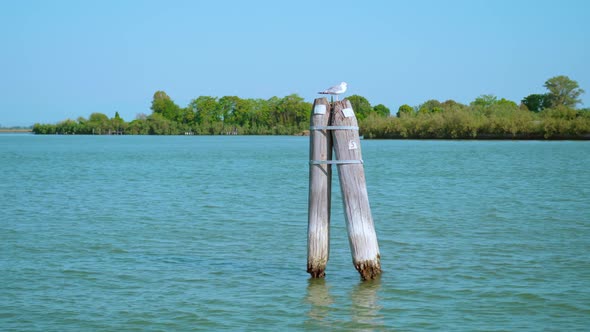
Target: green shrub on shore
(469, 123)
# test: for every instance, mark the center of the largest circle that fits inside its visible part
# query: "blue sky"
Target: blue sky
(64, 59)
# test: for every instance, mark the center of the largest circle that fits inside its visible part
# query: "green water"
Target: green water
(209, 233)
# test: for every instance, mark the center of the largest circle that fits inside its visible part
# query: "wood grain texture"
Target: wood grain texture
(320, 176)
(359, 221)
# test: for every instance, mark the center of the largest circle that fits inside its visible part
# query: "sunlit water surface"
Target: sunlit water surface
(209, 233)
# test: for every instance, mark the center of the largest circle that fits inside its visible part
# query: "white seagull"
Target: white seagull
(335, 90)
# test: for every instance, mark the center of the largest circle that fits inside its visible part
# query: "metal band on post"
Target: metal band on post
(335, 162)
(334, 128)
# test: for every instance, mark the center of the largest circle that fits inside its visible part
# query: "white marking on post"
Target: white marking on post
(348, 112)
(319, 109)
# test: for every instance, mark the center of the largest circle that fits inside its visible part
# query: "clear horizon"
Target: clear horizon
(67, 59)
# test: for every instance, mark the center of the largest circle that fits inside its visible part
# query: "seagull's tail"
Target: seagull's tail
(324, 92)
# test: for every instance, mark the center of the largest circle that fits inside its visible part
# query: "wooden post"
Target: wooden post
(359, 221)
(320, 186)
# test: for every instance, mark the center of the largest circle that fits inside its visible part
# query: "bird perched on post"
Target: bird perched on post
(335, 90)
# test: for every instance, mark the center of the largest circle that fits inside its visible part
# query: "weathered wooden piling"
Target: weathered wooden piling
(320, 177)
(359, 221)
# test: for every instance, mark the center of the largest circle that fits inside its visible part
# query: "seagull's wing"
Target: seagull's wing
(332, 90)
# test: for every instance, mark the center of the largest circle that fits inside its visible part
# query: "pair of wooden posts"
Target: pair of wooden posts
(334, 126)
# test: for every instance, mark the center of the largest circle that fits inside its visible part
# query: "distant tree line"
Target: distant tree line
(538, 116)
(208, 115)
(552, 115)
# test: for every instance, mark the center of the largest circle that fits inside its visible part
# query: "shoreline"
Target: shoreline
(483, 137)
(491, 137)
(17, 130)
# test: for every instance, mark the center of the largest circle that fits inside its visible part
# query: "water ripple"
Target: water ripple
(145, 233)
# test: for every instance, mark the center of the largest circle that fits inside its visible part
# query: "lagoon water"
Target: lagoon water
(160, 233)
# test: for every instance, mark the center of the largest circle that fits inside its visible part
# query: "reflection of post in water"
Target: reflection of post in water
(365, 308)
(320, 300)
